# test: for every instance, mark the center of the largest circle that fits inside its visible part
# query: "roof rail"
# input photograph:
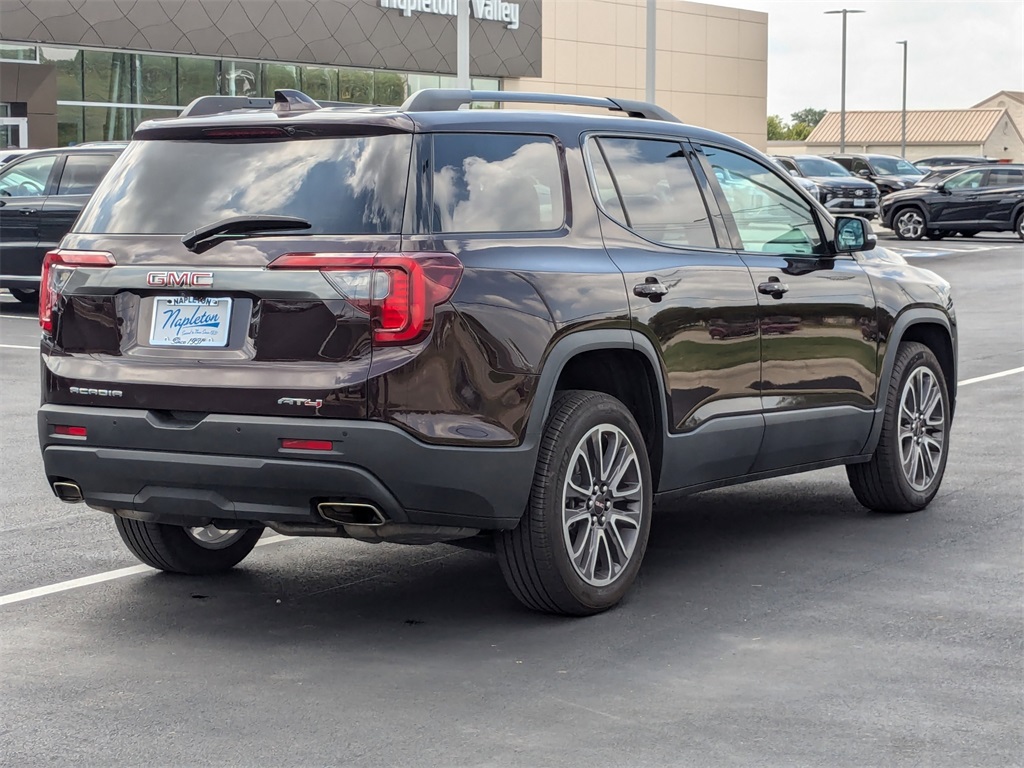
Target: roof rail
(286, 101)
(442, 99)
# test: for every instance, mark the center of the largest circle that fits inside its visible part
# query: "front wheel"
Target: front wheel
(578, 546)
(909, 224)
(195, 551)
(906, 469)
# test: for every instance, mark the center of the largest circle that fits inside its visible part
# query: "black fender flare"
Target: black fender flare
(576, 343)
(906, 319)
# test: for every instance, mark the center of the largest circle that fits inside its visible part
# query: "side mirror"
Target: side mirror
(941, 187)
(865, 173)
(853, 234)
(793, 173)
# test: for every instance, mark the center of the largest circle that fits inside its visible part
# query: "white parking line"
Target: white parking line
(999, 375)
(99, 578)
(33, 318)
(18, 346)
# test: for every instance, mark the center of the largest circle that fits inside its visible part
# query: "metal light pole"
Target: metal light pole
(652, 48)
(462, 46)
(903, 134)
(842, 108)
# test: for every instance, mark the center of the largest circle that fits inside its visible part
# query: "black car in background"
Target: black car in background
(887, 172)
(41, 195)
(943, 162)
(986, 198)
(838, 190)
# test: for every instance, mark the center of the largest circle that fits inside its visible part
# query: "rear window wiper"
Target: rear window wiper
(238, 227)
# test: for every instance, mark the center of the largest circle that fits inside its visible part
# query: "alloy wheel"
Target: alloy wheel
(910, 225)
(602, 505)
(922, 429)
(212, 537)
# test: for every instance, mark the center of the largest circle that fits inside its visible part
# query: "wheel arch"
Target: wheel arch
(931, 327)
(618, 362)
(899, 207)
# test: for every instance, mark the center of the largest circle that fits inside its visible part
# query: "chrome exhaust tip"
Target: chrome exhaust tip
(68, 492)
(346, 513)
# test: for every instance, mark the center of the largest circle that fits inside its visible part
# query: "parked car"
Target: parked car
(371, 324)
(41, 194)
(987, 198)
(951, 161)
(887, 172)
(806, 184)
(838, 190)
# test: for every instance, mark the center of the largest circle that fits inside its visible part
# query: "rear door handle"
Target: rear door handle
(651, 288)
(773, 288)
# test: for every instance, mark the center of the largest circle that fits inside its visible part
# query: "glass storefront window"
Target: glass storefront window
(70, 125)
(419, 82)
(279, 76)
(239, 78)
(355, 85)
(68, 63)
(157, 80)
(390, 87)
(10, 52)
(108, 123)
(108, 76)
(196, 77)
(320, 83)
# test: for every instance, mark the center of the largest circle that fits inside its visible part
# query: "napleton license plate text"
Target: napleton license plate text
(190, 322)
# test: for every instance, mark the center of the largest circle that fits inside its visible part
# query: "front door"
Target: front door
(816, 318)
(961, 201)
(24, 184)
(694, 301)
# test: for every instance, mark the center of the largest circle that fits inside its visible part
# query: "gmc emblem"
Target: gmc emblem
(180, 279)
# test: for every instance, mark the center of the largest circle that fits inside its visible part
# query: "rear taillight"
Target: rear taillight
(398, 291)
(57, 268)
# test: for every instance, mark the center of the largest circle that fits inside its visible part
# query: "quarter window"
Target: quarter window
(1005, 177)
(27, 178)
(653, 191)
(770, 215)
(496, 183)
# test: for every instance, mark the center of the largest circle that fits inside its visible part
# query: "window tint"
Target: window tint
(496, 183)
(1005, 177)
(347, 185)
(771, 216)
(658, 192)
(966, 180)
(27, 178)
(83, 173)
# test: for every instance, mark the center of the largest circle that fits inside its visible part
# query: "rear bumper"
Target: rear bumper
(227, 467)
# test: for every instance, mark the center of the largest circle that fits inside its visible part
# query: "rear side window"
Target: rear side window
(496, 183)
(1005, 177)
(83, 173)
(656, 191)
(341, 185)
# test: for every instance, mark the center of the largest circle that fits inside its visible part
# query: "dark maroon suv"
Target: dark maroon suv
(502, 329)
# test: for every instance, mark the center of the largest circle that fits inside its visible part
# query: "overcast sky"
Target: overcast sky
(959, 52)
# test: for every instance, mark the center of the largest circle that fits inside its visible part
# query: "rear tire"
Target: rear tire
(579, 545)
(194, 551)
(906, 469)
(908, 224)
(25, 295)
(1019, 226)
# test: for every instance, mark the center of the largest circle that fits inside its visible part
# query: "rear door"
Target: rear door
(816, 317)
(276, 324)
(24, 185)
(80, 174)
(1002, 193)
(693, 300)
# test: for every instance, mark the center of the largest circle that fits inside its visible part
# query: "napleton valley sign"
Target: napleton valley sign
(484, 10)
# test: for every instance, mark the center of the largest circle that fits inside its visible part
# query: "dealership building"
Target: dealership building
(85, 71)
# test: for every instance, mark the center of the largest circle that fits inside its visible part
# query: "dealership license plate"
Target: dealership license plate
(186, 322)
(859, 203)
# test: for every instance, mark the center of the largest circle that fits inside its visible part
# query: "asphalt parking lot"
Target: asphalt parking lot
(777, 623)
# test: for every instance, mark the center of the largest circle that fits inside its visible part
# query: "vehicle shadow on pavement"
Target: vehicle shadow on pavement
(714, 549)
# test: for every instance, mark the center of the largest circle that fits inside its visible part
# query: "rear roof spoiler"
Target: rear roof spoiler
(288, 101)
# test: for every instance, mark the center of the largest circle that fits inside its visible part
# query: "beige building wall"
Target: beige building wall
(1012, 105)
(711, 68)
(1006, 142)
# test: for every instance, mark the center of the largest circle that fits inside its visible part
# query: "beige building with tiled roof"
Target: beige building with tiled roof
(1011, 101)
(989, 132)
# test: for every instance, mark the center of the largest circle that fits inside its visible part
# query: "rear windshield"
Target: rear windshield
(341, 185)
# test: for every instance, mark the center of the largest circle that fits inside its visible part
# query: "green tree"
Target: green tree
(809, 117)
(777, 129)
(799, 131)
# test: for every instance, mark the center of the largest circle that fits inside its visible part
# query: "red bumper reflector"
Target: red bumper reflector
(307, 445)
(62, 429)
